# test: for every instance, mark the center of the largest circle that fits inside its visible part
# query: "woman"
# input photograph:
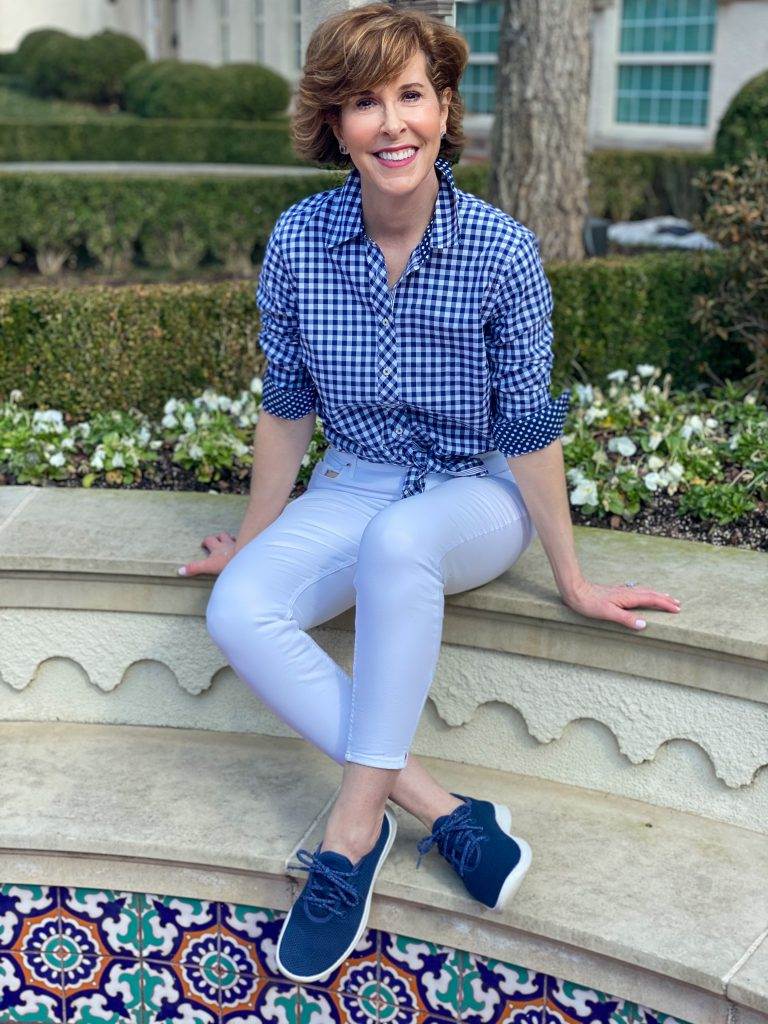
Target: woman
(414, 318)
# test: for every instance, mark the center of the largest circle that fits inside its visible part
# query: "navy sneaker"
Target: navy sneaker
(330, 913)
(476, 841)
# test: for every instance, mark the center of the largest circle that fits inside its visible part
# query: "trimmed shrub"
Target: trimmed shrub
(87, 70)
(744, 125)
(184, 90)
(56, 67)
(96, 348)
(122, 137)
(109, 56)
(250, 92)
(26, 53)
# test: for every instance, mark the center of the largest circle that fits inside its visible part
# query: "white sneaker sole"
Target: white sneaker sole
(363, 919)
(515, 877)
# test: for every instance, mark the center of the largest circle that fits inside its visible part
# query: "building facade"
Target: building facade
(663, 71)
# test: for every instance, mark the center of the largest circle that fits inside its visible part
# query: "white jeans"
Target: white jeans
(350, 539)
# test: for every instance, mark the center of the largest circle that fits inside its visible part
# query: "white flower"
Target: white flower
(595, 412)
(144, 435)
(711, 422)
(676, 471)
(655, 440)
(170, 406)
(241, 449)
(655, 462)
(645, 369)
(618, 375)
(638, 402)
(57, 460)
(15, 395)
(42, 420)
(256, 386)
(652, 481)
(85, 429)
(734, 441)
(195, 451)
(585, 493)
(68, 443)
(584, 393)
(575, 475)
(236, 408)
(623, 445)
(97, 462)
(693, 425)
(305, 460)
(117, 460)
(169, 421)
(225, 403)
(188, 422)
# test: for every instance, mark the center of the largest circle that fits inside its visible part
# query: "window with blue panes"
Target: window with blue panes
(665, 93)
(478, 21)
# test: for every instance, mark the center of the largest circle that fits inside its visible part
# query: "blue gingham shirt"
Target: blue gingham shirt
(454, 361)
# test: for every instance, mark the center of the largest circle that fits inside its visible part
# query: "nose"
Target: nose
(392, 123)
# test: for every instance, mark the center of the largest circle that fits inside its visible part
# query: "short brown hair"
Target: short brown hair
(363, 48)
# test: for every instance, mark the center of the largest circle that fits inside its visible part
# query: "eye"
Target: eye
(410, 92)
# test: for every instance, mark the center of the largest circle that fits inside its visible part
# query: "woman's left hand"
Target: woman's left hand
(603, 602)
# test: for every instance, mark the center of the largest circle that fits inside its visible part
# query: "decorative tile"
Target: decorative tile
(176, 930)
(645, 1015)
(495, 992)
(358, 975)
(23, 908)
(419, 975)
(30, 990)
(176, 994)
(249, 937)
(103, 989)
(327, 1006)
(268, 1002)
(568, 1003)
(101, 922)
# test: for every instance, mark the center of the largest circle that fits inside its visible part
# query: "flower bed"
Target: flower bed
(639, 456)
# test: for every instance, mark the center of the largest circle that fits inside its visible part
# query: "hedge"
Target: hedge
(127, 138)
(179, 221)
(94, 349)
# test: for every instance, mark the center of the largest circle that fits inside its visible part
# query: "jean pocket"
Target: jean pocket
(334, 464)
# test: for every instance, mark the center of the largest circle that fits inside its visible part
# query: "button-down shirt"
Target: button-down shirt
(452, 362)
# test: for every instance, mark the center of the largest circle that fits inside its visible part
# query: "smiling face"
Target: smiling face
(403, 118)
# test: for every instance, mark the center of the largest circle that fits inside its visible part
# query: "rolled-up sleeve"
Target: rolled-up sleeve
(287, 387)
(518, 337)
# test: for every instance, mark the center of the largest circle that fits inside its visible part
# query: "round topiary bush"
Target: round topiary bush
(251, 92)
(744, 126)
(184, 90)
(25, 55)
(109, 56)
(139, 82)
(56, 67)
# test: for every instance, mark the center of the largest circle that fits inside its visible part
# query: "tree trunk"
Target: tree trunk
(539, 135)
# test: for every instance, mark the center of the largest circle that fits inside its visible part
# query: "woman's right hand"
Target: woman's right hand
(221, 547)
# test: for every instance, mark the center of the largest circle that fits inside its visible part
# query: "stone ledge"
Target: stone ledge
(721, 632)
(656, 906)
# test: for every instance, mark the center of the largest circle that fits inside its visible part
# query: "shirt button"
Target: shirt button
(385, 372)
(385, 320)
(398, 430)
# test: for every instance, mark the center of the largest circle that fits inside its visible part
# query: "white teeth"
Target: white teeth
(402, 155)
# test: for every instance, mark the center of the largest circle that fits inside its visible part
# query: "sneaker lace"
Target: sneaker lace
(458, 839)
(327, 888)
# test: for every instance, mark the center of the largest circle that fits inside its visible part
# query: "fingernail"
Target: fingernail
(182, 571)
(640, 623)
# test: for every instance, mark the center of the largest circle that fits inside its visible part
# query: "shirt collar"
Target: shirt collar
(346, 218)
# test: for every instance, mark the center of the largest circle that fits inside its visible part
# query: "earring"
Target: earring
(343, 148)
(442, 134)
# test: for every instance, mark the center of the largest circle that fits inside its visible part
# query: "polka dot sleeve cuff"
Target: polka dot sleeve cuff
(288, 403)
(532, 432)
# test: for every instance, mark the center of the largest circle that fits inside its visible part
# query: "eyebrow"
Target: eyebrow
(408, 85)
